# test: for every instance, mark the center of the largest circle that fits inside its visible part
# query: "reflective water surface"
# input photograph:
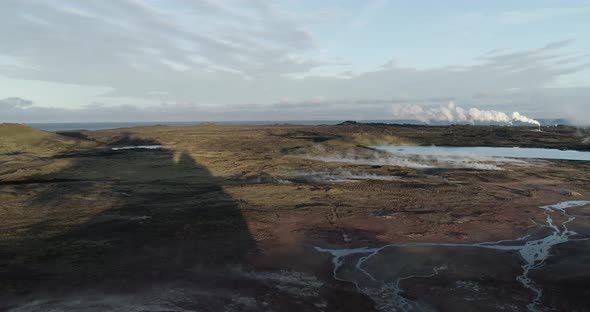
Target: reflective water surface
(508, 152)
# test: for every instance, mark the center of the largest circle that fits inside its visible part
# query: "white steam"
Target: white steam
(339, 176)
(454, 113)
(380, 158)
(584, 133)
(417, 162)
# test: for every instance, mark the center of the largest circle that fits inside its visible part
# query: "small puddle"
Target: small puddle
(388, 295)
(149, 147)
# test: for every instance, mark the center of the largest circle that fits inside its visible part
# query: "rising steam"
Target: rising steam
(454, 113)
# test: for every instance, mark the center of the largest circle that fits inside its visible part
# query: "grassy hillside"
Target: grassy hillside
(21, 138)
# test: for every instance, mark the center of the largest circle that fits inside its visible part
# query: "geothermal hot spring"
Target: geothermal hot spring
(506, 152)
(478, 158)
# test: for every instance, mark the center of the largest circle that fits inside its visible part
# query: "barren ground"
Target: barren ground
(223, 219)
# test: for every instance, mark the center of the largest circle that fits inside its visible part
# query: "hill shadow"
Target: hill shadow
(132, 217)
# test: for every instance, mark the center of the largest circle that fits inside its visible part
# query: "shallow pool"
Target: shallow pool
(150, 147)
(508, 152)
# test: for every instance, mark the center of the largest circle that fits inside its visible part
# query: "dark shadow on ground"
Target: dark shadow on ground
(148, 216)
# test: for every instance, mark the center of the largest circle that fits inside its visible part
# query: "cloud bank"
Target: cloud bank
(254, 60)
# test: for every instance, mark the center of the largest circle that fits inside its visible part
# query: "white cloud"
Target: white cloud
(131, 45)
(14, 103)
(222, 55)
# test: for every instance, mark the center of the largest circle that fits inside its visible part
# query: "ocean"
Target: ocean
(66, 126)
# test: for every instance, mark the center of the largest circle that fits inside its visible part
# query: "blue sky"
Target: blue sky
(66, 60)
(438, 33)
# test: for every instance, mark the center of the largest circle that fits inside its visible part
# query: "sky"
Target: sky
(207, 60)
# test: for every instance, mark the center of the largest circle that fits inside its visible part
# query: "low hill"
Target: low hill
(16, 138)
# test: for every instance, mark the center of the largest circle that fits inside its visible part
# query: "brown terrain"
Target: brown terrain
(227, 218)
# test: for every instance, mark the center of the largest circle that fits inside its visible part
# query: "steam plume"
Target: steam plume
(454, 113)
